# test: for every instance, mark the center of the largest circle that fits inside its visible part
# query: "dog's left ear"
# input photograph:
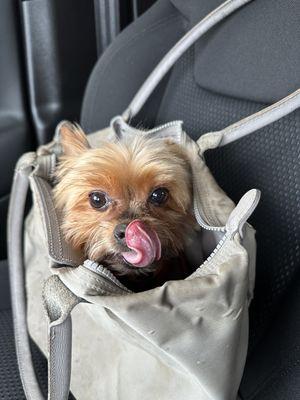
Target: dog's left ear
(72, 139)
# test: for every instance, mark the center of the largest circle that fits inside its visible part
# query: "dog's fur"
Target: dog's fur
(128, 172)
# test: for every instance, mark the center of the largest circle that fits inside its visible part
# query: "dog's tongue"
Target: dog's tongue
(144, 244)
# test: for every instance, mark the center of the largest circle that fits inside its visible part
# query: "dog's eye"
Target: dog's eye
(159, 196)
(99, 200)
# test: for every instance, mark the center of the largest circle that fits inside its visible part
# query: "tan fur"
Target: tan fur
(128, 172)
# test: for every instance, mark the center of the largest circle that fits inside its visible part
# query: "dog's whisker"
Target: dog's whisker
(142, 185)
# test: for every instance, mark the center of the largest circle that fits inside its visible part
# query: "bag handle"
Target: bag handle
(232, 132)
(213, 18)
(59, 301)
(59, 363)
(60, 328)
(251, 123)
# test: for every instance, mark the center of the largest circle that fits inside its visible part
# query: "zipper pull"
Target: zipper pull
(242, 212)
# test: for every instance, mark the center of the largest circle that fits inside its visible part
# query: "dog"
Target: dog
(127, 205)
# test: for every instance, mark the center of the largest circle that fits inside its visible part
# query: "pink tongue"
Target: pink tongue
(144, 244)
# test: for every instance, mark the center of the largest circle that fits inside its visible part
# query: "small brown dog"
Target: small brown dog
(126, 205)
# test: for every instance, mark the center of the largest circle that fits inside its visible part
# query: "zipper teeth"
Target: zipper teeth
(104, 272)
(204, 225)
(196, 211)
(100, 270)
(151, 131)
(211, 228)
(217, 248)
(166, 125)
(198, 215)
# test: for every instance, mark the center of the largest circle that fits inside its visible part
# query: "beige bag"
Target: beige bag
(184, 340)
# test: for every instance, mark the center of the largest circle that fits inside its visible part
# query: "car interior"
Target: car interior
(84, 60)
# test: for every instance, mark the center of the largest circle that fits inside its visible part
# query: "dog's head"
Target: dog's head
(127, 203)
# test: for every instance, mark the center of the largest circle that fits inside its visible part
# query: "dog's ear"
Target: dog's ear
(72, 139)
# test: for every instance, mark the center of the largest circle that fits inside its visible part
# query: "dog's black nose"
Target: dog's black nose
(119, 232)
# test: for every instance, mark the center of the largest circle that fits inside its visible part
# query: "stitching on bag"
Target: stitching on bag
(40, 183)
(45, 215)
(49, 203)
(38, 204)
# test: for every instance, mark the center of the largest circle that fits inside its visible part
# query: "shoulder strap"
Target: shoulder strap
(59, 364)
(16, 271)
(235, 131)
(250, 124)
(60, 325)
(59, 301)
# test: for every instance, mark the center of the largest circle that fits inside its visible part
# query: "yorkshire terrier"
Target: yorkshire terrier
(127, 205)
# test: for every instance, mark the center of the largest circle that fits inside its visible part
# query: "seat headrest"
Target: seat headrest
(253, 54)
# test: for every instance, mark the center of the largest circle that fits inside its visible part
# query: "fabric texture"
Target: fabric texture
(127, 62)
(191, 334)
(253, 54)
(269, 158)
(265, 159)
(274, 368)
(10, 382)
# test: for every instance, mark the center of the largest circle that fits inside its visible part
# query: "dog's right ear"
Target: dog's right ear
(72, 139)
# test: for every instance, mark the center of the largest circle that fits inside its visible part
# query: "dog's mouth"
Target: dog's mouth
(144, 245)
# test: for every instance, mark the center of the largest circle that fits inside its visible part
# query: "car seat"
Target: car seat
(246, 62)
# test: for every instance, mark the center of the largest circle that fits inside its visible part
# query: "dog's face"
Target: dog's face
(126, 204)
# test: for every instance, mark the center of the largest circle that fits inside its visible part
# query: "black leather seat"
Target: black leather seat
(247, 62)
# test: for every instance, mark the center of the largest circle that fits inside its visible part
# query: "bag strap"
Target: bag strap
(251, 123)
(59, 364)
(59, 301)
(167, 62)
(235, 131)
(59, 367)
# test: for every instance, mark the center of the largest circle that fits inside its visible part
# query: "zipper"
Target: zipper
(166, 125)
(104, 273)
(203, 224)
(217, 248)
(124, 126)
(197, 213)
